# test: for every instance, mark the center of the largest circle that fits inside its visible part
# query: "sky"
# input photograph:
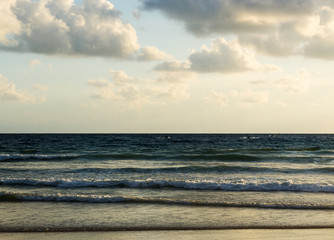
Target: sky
(166, 66)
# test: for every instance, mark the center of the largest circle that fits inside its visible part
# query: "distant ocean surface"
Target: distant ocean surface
(74, 182)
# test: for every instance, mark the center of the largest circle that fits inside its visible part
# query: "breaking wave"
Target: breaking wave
(224, 185)
(17, 197)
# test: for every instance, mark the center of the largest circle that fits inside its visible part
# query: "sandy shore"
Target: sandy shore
(258, 234)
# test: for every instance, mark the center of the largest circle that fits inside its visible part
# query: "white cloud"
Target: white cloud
(246, 97)
(8, 92)
(64, 28)
(223, 57)
(176, 77)
(283, 104)
(226, 57)
(138, 92)
(259, 82)
(34, 62)
(168, 93)
(251, 97)
(149, 53)
(41, 87)
(121, 78)
(217, 98)
(101, 82)
(293, 84)
(302, 72)
(11, 25)
(297, 83)
(173, 66)
(123, 93)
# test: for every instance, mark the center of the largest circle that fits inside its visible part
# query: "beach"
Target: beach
(257, 234)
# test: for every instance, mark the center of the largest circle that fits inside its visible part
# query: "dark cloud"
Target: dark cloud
(205, 17)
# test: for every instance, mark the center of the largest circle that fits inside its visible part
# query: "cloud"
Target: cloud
(226, 57)
(40, 87)
(173, 66)
(61, 27)
(8, 92)
(321, 47)
(160, 94)
(297, 83)
(176, 77)
(321, 43)
(274, 27)
(293, 85)
(289, 38)
(217, 98)
(302, 72)
(272, 44)
(134, 92)
(150, 53)
(10, 26)
(34, 63)
(223, 57)
(123, 93)
(205, 17)
(98, 83)
(136, 15)
(258, 82)
(245, 97)
(251, 97)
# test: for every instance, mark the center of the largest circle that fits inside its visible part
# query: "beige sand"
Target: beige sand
(258, 234)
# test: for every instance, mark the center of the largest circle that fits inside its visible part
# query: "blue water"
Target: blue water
(186, 181)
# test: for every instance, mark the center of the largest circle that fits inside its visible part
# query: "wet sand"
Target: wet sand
(254, 234)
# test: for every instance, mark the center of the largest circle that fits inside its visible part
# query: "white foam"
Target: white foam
(85, 198)
(16, 156)
(225, 185)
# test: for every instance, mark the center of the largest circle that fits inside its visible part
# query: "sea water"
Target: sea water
(75, 182)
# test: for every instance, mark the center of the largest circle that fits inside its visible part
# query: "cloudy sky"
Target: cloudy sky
(204, 66)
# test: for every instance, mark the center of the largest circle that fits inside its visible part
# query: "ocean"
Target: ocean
(106, 182)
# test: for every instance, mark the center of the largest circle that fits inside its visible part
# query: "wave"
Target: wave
(307, 149)
(218, 157)
(92, 156)
(227, 185)
(128, 156)
(172, 170)
(121, 156)
(181, 169)
(82, 198)
(232, 155)
(25, 157)
(258, 149)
